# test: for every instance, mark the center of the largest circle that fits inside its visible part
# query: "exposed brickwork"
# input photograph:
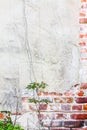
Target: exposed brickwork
(65, 111)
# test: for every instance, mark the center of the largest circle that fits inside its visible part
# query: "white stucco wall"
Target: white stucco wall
(38, 41)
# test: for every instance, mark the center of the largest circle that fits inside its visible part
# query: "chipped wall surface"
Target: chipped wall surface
(38, 41)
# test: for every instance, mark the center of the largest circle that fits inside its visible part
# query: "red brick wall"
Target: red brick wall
(65, 110)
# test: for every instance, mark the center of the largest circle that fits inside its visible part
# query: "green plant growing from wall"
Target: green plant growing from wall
(7, 124)
(37, 88)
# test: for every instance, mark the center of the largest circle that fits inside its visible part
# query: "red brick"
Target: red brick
(83, 0)
(43, 107)
(81, 100)
(82, 14)
(85, 107)
(82, 43)
(63, 100)
(81, 35)
(1, 115)
(83, 20)
(79, 116)
(83, 86)
(41, 116)
(53, 93)
(84, 59)
(80, 92)
(73, 124)
(69, 100)
(77, 107)
(79, 129)
(61, 116)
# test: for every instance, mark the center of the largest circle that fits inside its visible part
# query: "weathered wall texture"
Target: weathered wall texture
(38, 41)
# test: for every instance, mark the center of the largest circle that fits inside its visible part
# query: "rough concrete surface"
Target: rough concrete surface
(38, 41)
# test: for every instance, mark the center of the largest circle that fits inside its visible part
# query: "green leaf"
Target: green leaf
(6, 124)
(45, 101)
(33, 100)
(35, 85)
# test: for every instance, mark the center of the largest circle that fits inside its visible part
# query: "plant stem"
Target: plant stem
(16, 112)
